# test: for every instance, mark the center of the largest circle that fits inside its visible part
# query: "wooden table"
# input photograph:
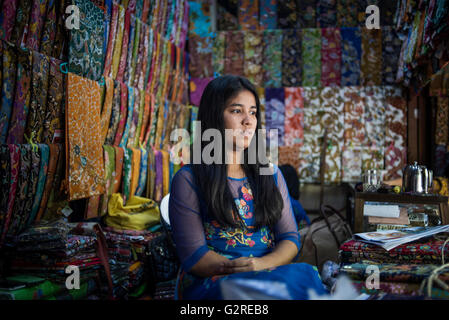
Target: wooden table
(362, 197)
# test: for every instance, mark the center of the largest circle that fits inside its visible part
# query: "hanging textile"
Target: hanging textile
(123, 113)
(350, 56)
(125, 41)
(43, 168)
(151, 174)
(109, 161)
(330, 57)
(248, 14)
(227, 15)
(143, 172)
(307, 13)
(291, 58)
(54, 116)
(326, 13)
(135, 119)
(199, 18)
(347, 11)
(267, 14)
(20, 29)
(36, 23)
(374, 116)
(311, 58)
(21, 103)
(351, 163)
(294, 117)
(132, 51)
(261, 94)
(391, 48)
(117, 54)
(234, 53)
(86, 45)
(387, 12)
(371, 62)
(39, 91)
(354, 108)
(165, 173)
(9, 69)
(7, 18)
(275, 114)
(127, 172)
(61, 36)
(287, 15)
(272, 58)
(5, 181)
(158, 183)
(106, 109)
(85, 158)
(129, 118)
(115, 115)
(200, 63)
(197, 86)
(119, 154)
(253, 59)
(112, 38)
(135, 171)
(289, 155)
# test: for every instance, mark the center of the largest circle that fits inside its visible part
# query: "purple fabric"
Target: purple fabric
(187, 214)
(275, 111)
(197, 86)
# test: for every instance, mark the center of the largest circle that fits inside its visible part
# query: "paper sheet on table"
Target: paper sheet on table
(386, 211)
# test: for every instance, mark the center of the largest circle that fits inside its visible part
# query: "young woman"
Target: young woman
(231, 220)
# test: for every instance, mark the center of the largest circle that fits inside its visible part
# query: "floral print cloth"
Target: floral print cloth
(330, 57)
(267, 14)
(272, 58)
(291, 58)
(351, 51)
(311, 58)
(85, 159)
(253, 59)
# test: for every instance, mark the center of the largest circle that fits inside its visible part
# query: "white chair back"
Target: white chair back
(164, 209)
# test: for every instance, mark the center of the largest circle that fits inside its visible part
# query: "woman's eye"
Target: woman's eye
(235, 111)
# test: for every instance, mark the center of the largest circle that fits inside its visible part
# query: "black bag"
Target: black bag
(162, 258)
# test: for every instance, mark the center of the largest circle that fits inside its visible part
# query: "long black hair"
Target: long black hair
(212, 178)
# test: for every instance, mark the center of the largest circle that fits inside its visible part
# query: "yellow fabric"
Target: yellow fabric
(135, 170)
(165, 172)
(138, 214)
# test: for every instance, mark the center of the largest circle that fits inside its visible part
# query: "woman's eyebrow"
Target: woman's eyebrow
(240, 105)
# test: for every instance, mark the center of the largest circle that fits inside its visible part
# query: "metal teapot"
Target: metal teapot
(417, 179)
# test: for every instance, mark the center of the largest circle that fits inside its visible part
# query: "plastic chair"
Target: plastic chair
(165, 219)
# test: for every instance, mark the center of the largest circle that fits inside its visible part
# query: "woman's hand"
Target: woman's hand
(242, 264)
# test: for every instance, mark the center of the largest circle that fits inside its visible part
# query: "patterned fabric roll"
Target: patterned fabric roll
(39, 91)
(199, 15)
(140, 118)
(115, 114)
(117, 53)
(158, 183)
(143, 172)
(227, 15)
(287, 15)
(106, 110)
(347, 13)
(7, 18)
(86, 45)
(132, 51)
(123, 113)
(55, 161)
(200, 49)
(351, 50)
(326, 13)
(9, 70)
(272, 58)
(20, 30)
(22, 98)
(165, 172)
(234, 53)
(248, 14)
(146, 116)
(43, 167)
(129, 118)
(275, 114)
(311, 58)
(14, 152)
(294, 117)
(125, 41)
(330, 57)
(267, 14)
(127, 171)
(354, 108)
(218, 53)
(391, 48)
(119, 154)
(135, 120)
(371, 63)
(291, 58)
(85, 166)
(109, 160)
(54, 116)
(111, 39)
(307, 13)
(253, 57)
(49, 29)
(22, 189)
(151, 174)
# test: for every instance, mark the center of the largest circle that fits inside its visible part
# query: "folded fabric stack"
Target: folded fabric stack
(45, 250)
(403, 271)
(127, 249)
(165, 290)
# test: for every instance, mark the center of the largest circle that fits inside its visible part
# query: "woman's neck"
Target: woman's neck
(234, 166)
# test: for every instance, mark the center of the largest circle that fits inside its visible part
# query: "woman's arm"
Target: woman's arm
(209, 265)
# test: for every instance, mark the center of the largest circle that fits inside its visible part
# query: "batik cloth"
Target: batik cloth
(371, 62)
(200, 50)
(158, 179)
(5, 182)
(197, 86)
(21, 103)
(9, 70)
(374, 116)
(117, 53)
(86, 43)
(291, 58)
(261, 94)
(354, 108)
(326, 13)
(294, 117)
(127, 172)
(253, 69)
(267, 14)
(351, 163)
(142, 172)
(7, 18)
(347, 13)
(200, 21)
(118, 172)
(227, 15)
(248, 14)
(442, 118)
(275, 114)
(85, 159)
(126, 41)
(391, 48)
(111, 39)
(307, 13)
(129, 118)
(330, 57)
(115, 115)
(272, 58)
(135, 119)
(234, 53)
(35, 24)
(351, 51)
(19, 32)
(287, 15)
(311, 58)
(290, 155)
(123, 113)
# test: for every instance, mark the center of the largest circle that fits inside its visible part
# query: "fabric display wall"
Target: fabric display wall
(85, 116)
(316, 66)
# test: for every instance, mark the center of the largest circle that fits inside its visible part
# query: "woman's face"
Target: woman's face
(240, 116)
